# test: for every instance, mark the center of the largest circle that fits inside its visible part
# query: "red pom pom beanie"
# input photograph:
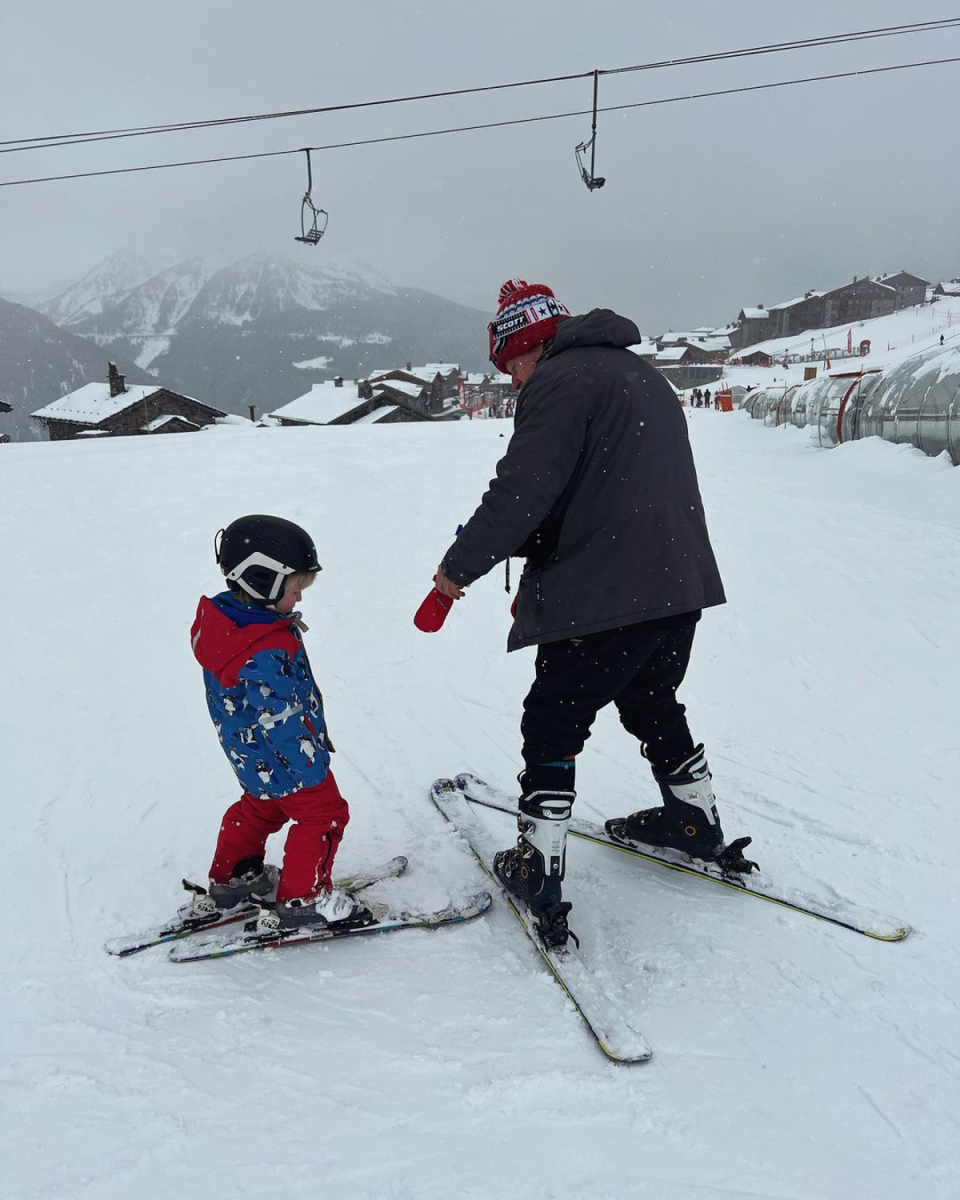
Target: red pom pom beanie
(529, 315)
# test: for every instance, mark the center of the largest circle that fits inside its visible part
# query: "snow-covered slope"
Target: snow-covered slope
(791, 1060)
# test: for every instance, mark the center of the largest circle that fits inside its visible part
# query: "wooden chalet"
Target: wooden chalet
(116, 409)
(753, 325)
(335, 402)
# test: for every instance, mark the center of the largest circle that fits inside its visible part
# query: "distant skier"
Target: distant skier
(268, 713)
(598, 491)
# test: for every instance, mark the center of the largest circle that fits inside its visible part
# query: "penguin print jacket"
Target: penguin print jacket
(262, 698)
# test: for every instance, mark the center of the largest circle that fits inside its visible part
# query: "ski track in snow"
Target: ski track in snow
(792, 1060)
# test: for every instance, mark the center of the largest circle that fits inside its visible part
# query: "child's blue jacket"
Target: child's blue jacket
(265, 705)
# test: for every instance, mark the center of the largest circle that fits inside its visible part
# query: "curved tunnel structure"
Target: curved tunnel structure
(917, 401)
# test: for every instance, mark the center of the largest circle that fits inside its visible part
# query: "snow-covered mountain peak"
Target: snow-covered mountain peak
(100, 289)
(263, 285)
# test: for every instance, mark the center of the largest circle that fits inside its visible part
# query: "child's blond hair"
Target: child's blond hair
(298, 580)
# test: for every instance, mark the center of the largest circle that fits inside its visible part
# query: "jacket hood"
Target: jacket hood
(600, 327)
(225, 630)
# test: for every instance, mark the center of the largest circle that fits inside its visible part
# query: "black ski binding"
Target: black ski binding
(731, 860)
(551, 925)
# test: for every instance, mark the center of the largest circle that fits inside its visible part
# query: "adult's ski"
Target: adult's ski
(185, 924)
(615, 1035)
(836, 912)
(385, 920)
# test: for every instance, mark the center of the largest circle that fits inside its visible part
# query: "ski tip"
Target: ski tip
(119, 948)
(626, 1058)
(895, 935)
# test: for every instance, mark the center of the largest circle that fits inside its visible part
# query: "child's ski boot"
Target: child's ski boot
(251, 877)
(335, 908)
(687, 821)
(533, 870)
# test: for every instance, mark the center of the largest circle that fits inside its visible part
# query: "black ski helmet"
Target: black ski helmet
(258, 553)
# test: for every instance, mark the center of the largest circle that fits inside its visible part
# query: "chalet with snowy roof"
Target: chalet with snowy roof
(755, 358)
(430, 383)
(646, 350)
(858, 301)
(335, 402)
(481, 390)
(910, 289)
(450, 373)
(947, 287)
(113, 408)
(703, 349)
(753, 325)
(796, 315)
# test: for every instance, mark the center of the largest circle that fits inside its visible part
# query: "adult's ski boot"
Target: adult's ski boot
(251, 877)
(334, 908)
(688, 819)
(533, 870)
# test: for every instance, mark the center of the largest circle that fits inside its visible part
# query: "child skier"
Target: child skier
(268, 713)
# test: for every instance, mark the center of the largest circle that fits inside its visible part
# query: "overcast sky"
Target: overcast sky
(709, 205)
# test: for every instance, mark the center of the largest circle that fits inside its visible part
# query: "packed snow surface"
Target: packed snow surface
(791, 1059)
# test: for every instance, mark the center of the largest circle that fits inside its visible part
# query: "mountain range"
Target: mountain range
(258, 331)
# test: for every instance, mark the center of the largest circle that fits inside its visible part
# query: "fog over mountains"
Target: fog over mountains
(258, 331)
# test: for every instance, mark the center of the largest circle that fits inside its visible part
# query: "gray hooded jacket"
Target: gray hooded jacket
(597, 490)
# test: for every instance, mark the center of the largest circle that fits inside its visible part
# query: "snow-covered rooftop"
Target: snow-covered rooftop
(413, 390)
(416, 372)
(644, 349)
(795, 300)
(755, 314)
(159, 422)
(441, 368)
(672, 353)
(92, 403)
(371, 418)
(322, 404)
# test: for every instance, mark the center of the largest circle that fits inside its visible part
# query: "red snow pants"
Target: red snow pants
(319, 815)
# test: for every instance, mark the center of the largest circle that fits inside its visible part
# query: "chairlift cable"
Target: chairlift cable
(403, 137)
(52, 141)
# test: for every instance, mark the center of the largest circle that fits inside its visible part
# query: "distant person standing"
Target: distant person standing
(706, 398)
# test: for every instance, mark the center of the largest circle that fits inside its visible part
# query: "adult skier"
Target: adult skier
(598, 492)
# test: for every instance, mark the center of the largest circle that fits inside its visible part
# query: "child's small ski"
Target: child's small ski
(185, 925)
(385, 921)
(615, 1034)
(835, 911)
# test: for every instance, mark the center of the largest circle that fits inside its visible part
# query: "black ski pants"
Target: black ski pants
(637, 667)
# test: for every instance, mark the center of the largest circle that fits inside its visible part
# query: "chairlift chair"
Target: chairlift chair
(589, 177)
(308, 210)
